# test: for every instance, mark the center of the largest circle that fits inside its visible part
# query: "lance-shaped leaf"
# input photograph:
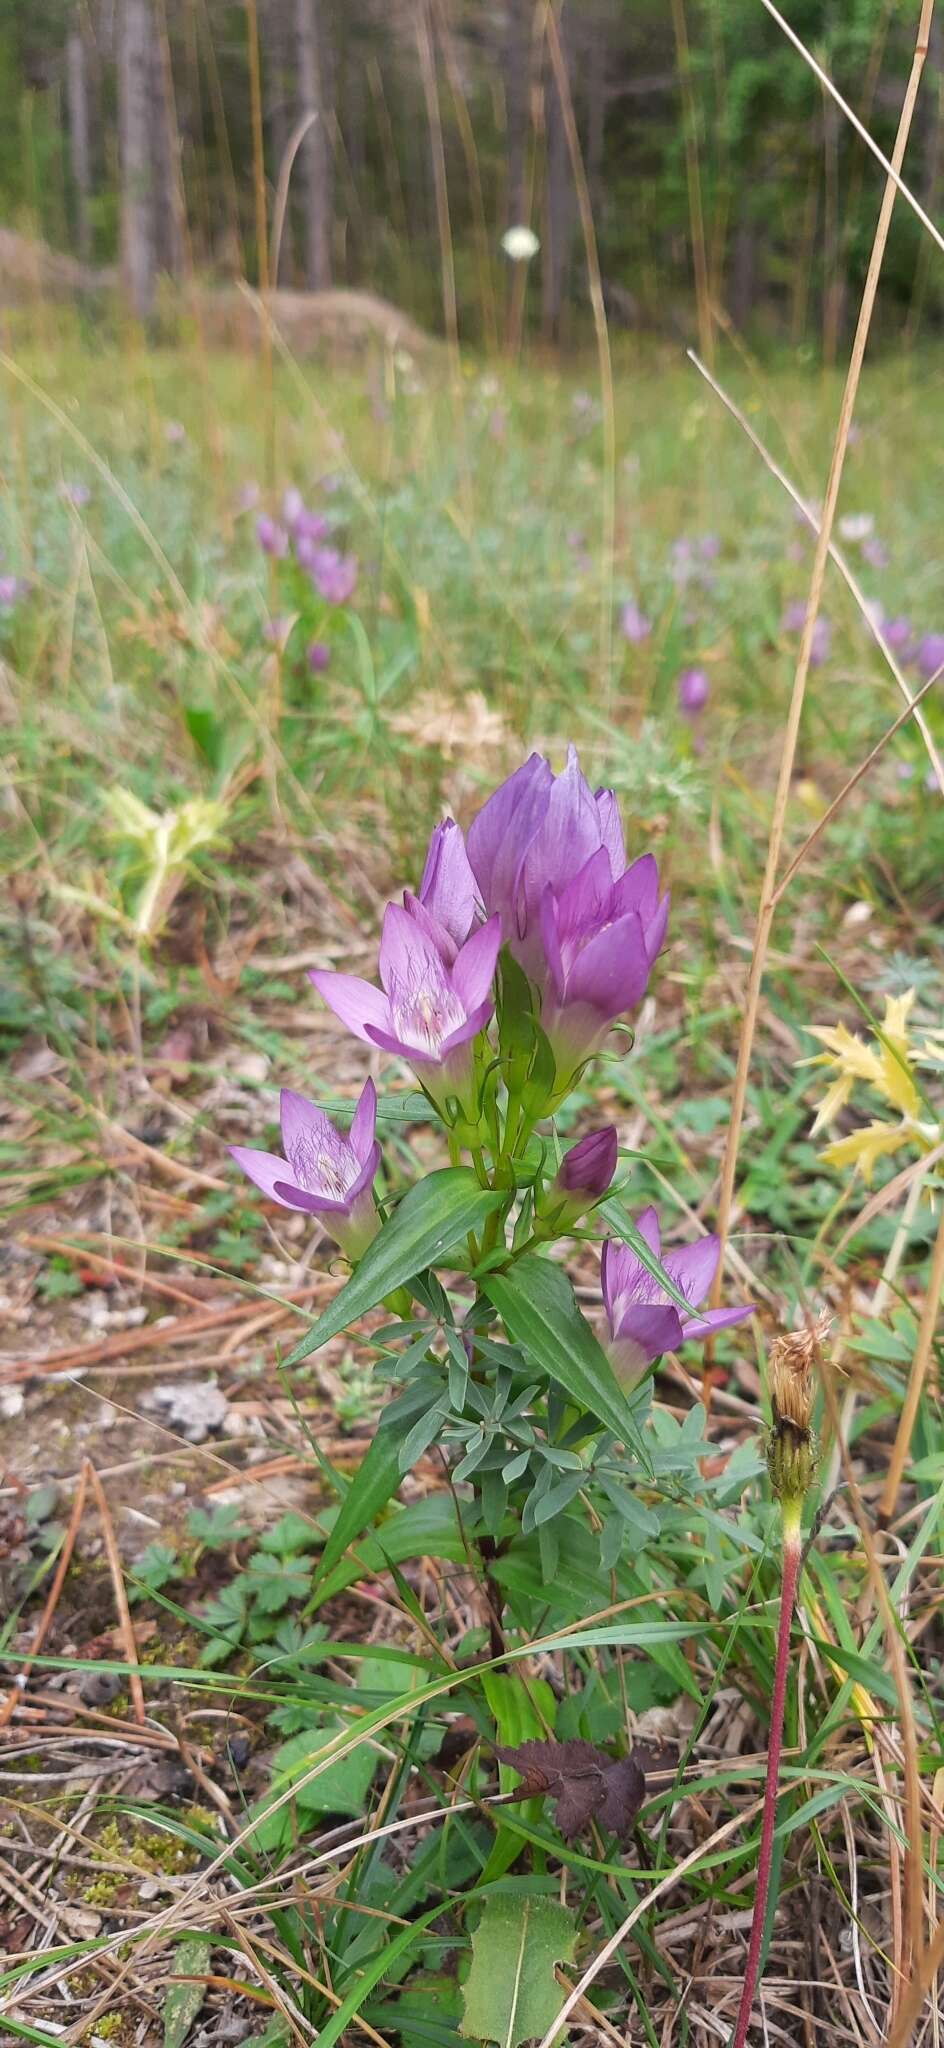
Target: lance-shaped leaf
(374, 1483)
(537, 1306)
(432, 1218)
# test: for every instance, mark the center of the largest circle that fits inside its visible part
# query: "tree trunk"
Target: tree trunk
(136, 37)
(315, 153)
(559, 203)
(165, 159)
(517, 110)
(278, 113)
(79, 150)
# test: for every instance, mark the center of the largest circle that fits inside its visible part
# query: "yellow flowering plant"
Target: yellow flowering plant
(888, 1063)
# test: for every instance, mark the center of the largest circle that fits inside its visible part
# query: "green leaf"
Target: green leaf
(615, 1215)
(427, 1529)
(183, 2001)
(379, 1965)
(537, 1306)
(408, 1108)
(374, 1483)
(511, 1993)
(431, 1218)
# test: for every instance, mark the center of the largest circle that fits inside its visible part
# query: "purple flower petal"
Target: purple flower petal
(264, 1168)
(474, 970)
(693, 1267)
(364, 1123)
(357, 1003)
(448, 888)
(697, 1327)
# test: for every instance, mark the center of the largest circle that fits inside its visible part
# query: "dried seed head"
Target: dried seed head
(791, 1446)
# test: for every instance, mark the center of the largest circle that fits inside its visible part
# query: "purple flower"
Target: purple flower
(588, 1168)
(278, 631)
(634, 625)
(582, 1180)
(930, 654)
(875, 553)
(319, 655)
(334, 575)
(272, 537)
(430, 1008)
(74, 494)
(600, 940)
(794, 620)
(12, 588)
(293, 507)
(322, 1172)
(896, 633)
(549, 858)
(644, 1321)
(693, 691)
(175, 432)
(448, 905)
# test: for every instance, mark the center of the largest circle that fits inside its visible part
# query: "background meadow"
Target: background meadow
(220, 760)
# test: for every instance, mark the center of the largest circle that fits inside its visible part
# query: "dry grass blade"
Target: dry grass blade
(13, 1697)
(125, 1622)
(867, 611)
(892, 168)
(768, 899)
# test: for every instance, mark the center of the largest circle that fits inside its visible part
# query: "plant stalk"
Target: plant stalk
(791, 1573)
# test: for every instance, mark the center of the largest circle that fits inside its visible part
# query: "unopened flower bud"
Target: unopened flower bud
(584, 1176)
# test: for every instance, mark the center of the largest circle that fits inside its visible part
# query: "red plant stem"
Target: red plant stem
(791, 1568)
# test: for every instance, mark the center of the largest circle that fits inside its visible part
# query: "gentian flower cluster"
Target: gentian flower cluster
(498, 978)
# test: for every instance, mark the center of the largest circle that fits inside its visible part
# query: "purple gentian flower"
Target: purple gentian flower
(588, 1168)
(600, 940)
(634, 625)
(549, 858)
(582, 1180)
(447, 905)
(429, 1008)
(930, 654)
(323, 1173)
(644, 1321)
(319, 655)
(693, 691)
(272, 537)
(334, 575)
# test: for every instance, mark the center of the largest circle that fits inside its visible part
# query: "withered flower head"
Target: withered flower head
(791, 1448)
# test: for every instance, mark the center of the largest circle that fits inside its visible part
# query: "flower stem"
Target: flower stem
(791, 1571)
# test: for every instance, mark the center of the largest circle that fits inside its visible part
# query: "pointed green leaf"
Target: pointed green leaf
(512, 1993)
(374, 1483)
(537, 1306)
(432, 1218)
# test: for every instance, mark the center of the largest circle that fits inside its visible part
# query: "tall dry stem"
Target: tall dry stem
(767, 903)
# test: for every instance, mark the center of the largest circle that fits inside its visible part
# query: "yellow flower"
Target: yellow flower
(885, 1064)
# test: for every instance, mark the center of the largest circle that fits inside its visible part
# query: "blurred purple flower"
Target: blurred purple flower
(875, 553)
(293, 507)
(322, 1173)
(272, 538)
(447, 905)
(930, 654)
(794, 619)
(428, 1010)
(74, 494)
(856, 527)
(644, 1321)
(319, 656)
(897, 634)
(278, 630)
(334, 575)
(249, 496)
(634, 625)
(693, 691)
(175, 432)
(12, 588)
